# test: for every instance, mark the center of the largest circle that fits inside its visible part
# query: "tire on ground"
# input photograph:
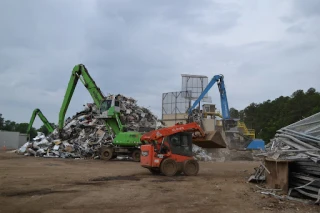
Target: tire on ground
(136, 155)
(190, 167)
(168, 167)
(106, 153)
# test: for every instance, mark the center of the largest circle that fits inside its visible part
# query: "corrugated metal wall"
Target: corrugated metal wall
(22, 139)
(12, 140)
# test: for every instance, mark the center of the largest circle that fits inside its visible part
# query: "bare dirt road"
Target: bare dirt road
(29, 184)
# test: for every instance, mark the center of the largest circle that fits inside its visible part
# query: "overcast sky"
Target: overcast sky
(264, 49)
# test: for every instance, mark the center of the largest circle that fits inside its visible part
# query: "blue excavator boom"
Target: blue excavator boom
(223, 96)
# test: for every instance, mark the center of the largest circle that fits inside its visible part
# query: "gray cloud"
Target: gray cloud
(307, 8)
(295, 29)
(140, 48)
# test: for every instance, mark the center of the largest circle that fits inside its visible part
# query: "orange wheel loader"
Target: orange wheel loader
(169, 150)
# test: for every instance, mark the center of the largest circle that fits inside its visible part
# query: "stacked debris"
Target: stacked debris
(196, 116)
(134, 117)
(84, 138)
(84, 134)
(299, 143)
(200, 154)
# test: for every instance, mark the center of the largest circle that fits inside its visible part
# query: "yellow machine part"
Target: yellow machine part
(248, 132)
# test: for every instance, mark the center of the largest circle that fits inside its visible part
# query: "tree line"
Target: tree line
(8, 125)
(268, 117)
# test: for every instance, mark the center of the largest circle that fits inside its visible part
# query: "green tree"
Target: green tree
(1, 121)
(311, 91)
(33, 133)
(267, 117)
(234, 113)
(23, 127)
(44, 130)
(241, 115)
(9, 125)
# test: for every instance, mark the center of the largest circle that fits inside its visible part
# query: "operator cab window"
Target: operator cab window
(181, 144)
(175, 140)
(109, 102)
(105, 105)
(184, 141)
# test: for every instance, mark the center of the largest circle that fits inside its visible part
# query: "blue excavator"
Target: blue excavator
(227, 121)
(219, 79)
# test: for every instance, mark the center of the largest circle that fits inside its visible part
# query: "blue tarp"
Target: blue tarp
(256, 144)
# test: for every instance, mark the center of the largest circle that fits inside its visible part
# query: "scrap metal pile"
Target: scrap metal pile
(136, 118)
(200, 154)
(299, 143)
(86, 134)
(85, 137)
(195, 116)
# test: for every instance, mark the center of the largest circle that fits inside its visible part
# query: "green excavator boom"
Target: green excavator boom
(79, 72)
(108, 107)
(43, 119)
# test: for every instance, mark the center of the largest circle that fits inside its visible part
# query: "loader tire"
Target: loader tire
(136, 155)
(106, 153)
(190, 167)
(168, 167)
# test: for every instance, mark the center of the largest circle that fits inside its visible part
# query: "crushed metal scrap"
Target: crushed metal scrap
(299, 143)
(201, 154)
(86, 134)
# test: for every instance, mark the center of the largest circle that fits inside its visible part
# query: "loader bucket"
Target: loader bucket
(213, 139)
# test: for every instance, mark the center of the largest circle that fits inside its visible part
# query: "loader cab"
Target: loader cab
(109, 104)
(181, 144)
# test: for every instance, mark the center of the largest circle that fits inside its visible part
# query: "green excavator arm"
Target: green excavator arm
(43, 119)
(80, 72)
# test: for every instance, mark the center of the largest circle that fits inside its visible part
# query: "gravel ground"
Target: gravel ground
(29, 184)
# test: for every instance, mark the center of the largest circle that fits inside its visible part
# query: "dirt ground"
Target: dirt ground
(29, 184)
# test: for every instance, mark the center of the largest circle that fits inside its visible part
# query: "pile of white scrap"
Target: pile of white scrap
(299, 144)
(40, 136)
(137, 118)
(300, 140)
(84, 134)
(200, 154)
(84, 137)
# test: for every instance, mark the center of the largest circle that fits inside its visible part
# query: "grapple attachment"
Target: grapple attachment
(213, 139)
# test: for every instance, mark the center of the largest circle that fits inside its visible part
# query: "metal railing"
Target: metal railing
(248, 132)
